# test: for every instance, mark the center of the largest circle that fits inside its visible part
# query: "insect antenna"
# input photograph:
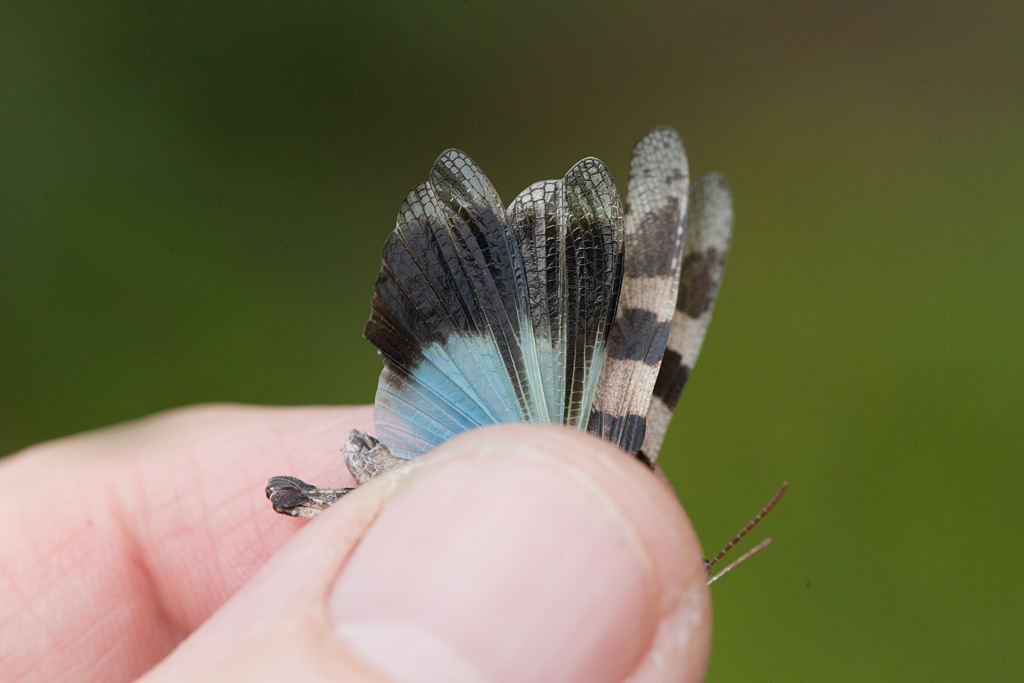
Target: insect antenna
(708, 564)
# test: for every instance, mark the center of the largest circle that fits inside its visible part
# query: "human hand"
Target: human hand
(513, 553)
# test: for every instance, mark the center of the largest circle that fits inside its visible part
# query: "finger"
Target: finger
(117, 543)
(512, 553)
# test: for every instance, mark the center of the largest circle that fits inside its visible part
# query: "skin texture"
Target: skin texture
(514, 552)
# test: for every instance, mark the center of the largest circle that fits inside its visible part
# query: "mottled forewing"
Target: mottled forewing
(708, 234)
(654, 229)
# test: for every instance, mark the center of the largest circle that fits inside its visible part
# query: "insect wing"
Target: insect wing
(654, 233)
(461, 291)
(708, 234)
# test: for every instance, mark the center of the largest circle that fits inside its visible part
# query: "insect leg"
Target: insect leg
(365, 457)
(292, 496)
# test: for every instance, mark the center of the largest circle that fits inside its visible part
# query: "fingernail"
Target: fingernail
(500, 566)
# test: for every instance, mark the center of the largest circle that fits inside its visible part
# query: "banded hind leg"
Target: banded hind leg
(365, 458)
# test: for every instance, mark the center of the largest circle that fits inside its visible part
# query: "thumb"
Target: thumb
(512, 553)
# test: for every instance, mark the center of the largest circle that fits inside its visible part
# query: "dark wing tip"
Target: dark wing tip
(450, 154)
(453, 168)
(591, 191)
(587, 167)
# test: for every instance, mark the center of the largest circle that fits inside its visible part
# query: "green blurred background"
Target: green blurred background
(193, 198)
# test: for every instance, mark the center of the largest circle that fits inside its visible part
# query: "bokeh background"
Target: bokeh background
(193, 197)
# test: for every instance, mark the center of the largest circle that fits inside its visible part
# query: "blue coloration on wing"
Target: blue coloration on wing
(483, 316)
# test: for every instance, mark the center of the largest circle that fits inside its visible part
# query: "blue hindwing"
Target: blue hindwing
(483, 316)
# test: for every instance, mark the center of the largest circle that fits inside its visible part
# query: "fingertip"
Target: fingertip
(511, 553)
(530, 546)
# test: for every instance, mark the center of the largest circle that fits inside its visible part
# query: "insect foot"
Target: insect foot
(291, 496)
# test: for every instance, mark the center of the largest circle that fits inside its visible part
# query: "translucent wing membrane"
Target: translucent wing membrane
(537, 218)
(593, 265)
(654, 230)
(708, 234)
(484, 317)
